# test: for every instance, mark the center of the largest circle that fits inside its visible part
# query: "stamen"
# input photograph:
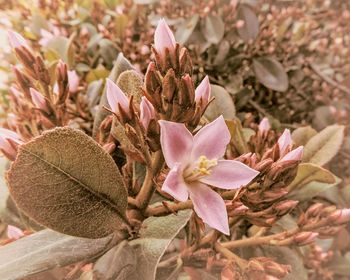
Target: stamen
(202, 169)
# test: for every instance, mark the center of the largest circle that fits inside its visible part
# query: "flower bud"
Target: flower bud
(305, 237)
(314, 209)
(202, 92)
(73, 80)
(285, 206)
(146, 112)
(164, 38)
(115, 97)
(296, 154)
(264, 125)
(62, 82)
(285, 141)
(186, 91)
(340, 216)
(39, 100)
(8, 143)
(16, 40)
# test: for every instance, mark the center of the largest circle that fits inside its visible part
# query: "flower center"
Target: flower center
(201, 169)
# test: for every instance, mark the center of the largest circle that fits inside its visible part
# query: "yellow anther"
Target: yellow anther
(202, 168)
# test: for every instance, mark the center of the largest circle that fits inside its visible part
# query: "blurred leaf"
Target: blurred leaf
(82, 67)
(247, 133)
(93, 94)
(71, 51)
(222, 104)
(311, 190)
(51, 55)
(156, 235)
(96, 74)
(283, 28)
(64, 180)
(130, 82)
(303, 134)
(237, 135)
(45, 250)
(308, 172)
(112, 4)
(340, 264)
(38, 22)
(121, 22)
(117, 264)
(223, 50)
(145, 2)
(250, 29)
(87, 275)
(322, 147)
(60, 45)
(234, 84)
(185, 29)
(107, 51)
(242, 97)
(120, 65)
(288, 256)
(270, 73)
(213, 28)
(323, 117)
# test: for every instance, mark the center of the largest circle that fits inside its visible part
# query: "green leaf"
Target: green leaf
(288, 256)
(156, 235)
(45, 250)
(237, 135)
(303, 134)
(250, 29)
(308, 172)
(60, 45)
(213, 29)
(322, 147)
(66, 181)
(323, 117)
(96, 74)
(270, 73)
(185, 29)
(222, 104)
(119, 263)
(311, 190)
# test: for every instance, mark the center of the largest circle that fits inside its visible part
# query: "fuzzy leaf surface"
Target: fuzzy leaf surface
(222, 104)
(66, 181)
(303, 134)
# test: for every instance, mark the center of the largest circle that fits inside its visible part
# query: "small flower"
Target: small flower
(264, 125)
(146, 112)
(16, 40)
(203, 92)
(195, 162)
(73, 80)
(115, 97)
(296, 154)
(164, 38)
(285, 141)
(39, 100)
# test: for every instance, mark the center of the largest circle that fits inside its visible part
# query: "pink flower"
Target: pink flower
(195, 162)
(203, 92)
(73, 80)
(285, 142)
(16, 40)
(14, 232)
(146, 112)
(115, 97)
(164, 38)
(296, 154)
(8, 141)
(39, 100)
(264, 125)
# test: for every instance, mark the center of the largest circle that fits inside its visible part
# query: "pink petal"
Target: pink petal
(285, 141)
(175, 185)
(176, 142)
(209, 206)
(203, 91)
(164, 38)
(229, 174)
(14, 232)
(296, 154)
(146, 112)
(38, 100)
(73, 80)
(16, 40)
(115, 96)
(264, 125)
(211, 140)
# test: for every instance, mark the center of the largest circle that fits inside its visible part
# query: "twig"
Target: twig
(242, 263)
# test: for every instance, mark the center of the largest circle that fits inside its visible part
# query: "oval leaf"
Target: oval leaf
(250, 29)
(321, 148)
(66, 181)
(45, 250)
(222, 104)
(270, 73)
(303, 134)
(213, 29)
(308, 172)
(185, 29)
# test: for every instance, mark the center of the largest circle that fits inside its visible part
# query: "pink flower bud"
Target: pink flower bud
(264, 125)
(116, 96)
(305, 237)
(296, 154)
(203, 92)
(146, 112)
(7, 140)
(285, 141)
(164, 38)
(14, 232)
(39, 100)
(16, 40)
(341, 216)
(73, 80)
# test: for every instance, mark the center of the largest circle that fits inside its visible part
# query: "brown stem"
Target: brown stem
(242, 263)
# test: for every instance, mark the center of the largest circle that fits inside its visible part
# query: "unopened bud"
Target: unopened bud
(314, 210)
(185, 63)
(73, 80)
(284, 207)
(202, 92)
(39, 100)
(115, 97)
(9, 141)
(146, 112)
(340, 216)
(305, 237)
(169, 85)
(285, 142)
(16, 40)
(296, 154)
(264, 125)
(277, 269)
(164, 38)
(62, 82)
(186, 91)
(14, 232)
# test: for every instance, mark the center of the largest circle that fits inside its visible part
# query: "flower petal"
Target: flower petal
(229, 174)
(164, 37)
(209, 206)
(211, 140)
(146, 112)
(264, 125)
(285, 141)
(116, 96)
(16, 40)
(203, 91)
(176, 141)
(296, 154)
(174, 184)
